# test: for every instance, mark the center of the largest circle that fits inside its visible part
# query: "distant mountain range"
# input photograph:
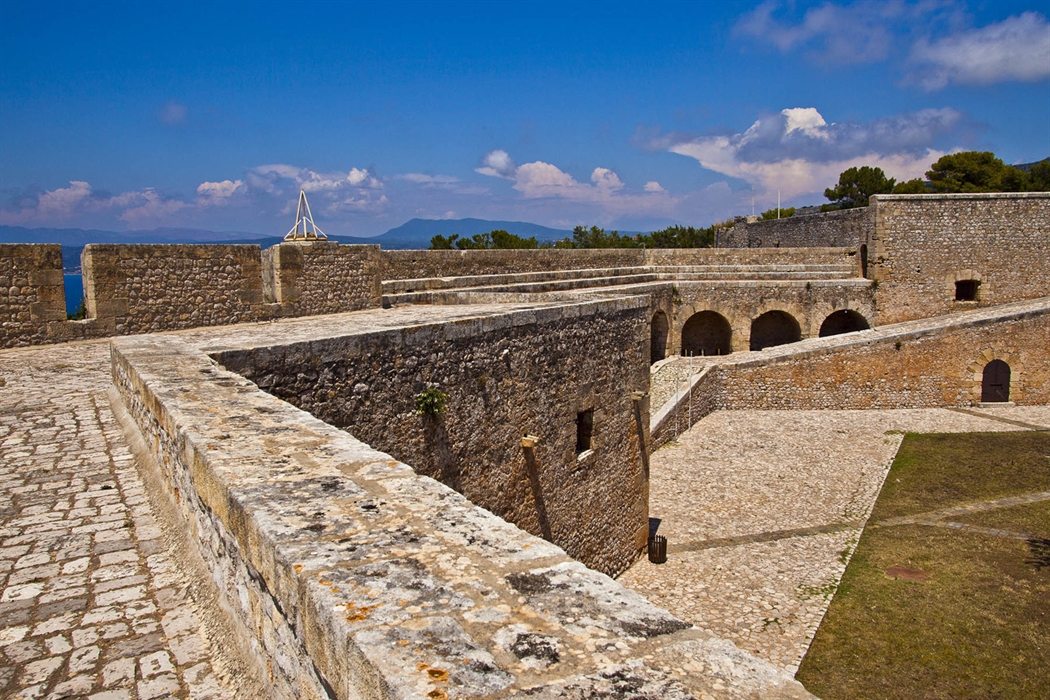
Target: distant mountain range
(414, 234)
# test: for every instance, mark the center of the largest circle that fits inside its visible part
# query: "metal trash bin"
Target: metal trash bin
(657, 549)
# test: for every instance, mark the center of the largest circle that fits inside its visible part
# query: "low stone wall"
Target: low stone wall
(671, 257)
(148, 288)
(922, 244)
(319, 277)
(846, 228)
(900, 367)
(695, 400)
(359, 579)
(417, 264)
(521, 373)
(31, 292)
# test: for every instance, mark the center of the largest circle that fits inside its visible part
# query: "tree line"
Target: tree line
(968, 171)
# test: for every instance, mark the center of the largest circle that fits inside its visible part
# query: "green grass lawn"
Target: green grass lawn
(979, 626)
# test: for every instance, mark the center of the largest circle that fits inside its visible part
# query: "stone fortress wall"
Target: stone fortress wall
(149, 288)
(921, 245)
(835, 229)
(928, 363)
(528, 373)
(31, 293)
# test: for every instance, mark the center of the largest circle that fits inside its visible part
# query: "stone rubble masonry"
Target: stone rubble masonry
(920, 245)
(31, 292)
(427, 264)
(740, 302)
(363, 579)
(321, 277)
(524, 373)
(929, 363)
(838, 229)
(149, 288)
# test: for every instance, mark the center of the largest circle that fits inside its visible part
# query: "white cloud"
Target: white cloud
(497, 164)
(653, 186)
(422, 179)
(217, 193)
(152, 208)
(798, 152)
(607, 192)
(807, 120)
(1016, 49)
(63, 202)
(862, 32)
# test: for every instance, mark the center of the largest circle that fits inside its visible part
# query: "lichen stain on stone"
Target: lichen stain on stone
(356, 613)
(437, 675)
(437, 694)
(298, 568)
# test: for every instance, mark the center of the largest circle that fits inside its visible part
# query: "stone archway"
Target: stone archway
(995, 382)
(843, 321)
(774, 328)
(658, 337)
(707, 333)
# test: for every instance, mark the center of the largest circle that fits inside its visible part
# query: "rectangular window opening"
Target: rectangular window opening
(966, 290)
(584, 428)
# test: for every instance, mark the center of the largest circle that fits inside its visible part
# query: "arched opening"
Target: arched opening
(843, 321)
(706, 333)
(995, 383)
(864, 260)
(658, 337)
(967, 290)
(774, 328)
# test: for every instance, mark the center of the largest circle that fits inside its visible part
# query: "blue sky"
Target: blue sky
(626, 115)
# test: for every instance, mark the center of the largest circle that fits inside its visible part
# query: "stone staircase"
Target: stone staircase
(421, 290)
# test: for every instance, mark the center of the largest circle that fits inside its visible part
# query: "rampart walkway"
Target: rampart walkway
(92, 602)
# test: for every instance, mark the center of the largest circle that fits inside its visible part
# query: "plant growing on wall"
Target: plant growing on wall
(431, 402)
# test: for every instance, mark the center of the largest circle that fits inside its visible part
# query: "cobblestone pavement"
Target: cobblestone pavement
(763, 508)
(91, 602)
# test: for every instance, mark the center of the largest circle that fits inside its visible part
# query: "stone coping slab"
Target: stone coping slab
(362, 579)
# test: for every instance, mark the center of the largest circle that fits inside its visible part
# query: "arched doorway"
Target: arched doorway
(843, 321)
(995, 382)
(774, 328)
(706, 333)
(658, 337)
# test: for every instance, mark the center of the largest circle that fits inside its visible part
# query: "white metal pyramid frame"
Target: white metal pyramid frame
(304, 220)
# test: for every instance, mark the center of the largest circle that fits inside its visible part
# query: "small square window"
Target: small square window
(584, 428)
(966, 290)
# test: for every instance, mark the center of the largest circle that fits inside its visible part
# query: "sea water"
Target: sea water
(74, 292)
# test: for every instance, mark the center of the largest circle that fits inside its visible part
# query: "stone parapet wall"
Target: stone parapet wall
(522, 373)
(671, 257)
(920, 245)
(148, 288)
(320, 277)
(31, 292)
(933, 363)
(418, 264)
(929, 368)
(838, 229)
(358, 579)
